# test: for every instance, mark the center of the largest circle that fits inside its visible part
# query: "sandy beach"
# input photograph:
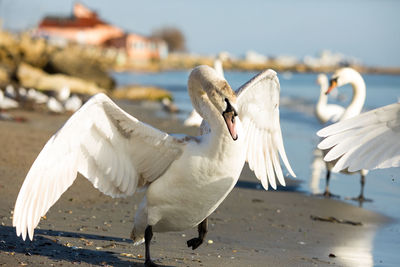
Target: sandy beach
(250, 228)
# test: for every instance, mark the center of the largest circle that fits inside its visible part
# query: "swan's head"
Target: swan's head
(216, 90)
(229, 115)
(341, 77)
(224, 101)
(322, 79)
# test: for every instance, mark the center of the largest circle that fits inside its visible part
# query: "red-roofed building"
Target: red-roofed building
(85, 27)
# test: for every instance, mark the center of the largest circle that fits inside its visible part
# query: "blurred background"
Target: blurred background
(144, 50)
(357, 31)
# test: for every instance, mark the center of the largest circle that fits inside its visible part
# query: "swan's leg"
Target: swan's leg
(327, 193)
(361, 197)
(197, 241)
(148, 234)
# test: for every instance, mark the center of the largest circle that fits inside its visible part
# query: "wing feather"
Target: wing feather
(367, 141)
(258, 109)
(270, 167)
(112, 149)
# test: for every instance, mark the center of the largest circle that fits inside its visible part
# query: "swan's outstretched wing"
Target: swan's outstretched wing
(368, 141)
(258, 109)
(112, 149)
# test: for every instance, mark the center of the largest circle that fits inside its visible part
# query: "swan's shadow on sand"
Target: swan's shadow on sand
(46, 246)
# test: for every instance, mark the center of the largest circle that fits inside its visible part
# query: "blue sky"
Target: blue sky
(366, 29)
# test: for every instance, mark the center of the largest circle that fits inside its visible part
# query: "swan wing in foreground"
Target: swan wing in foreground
(368, 141)
(112, 149)
(258, 109)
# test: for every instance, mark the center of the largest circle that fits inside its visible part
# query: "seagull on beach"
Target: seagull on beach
(63, 94)
(73, 103)
(64, 101)
(339, 78)
(10, 92)
(6, 102)
(37, 96)
(368, 141)
(185, 178)
(54, 105)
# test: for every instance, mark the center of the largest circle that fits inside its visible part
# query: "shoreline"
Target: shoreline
(250, 228)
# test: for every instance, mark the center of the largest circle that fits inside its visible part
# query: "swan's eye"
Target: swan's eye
(229, 108)
(333, 81)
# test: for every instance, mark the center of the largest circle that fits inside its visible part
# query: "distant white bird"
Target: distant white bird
(194, 118)
(339, 78)
(326, 112)
(37, 96)
(73, 103)
(63, 94)
(368, 141)
(185, 178)
(219, 68)
(6, 102)
(10, 92)
(54, 105)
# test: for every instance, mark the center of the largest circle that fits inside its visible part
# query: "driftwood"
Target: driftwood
(141, 93)
(29, 76)
(334, 220)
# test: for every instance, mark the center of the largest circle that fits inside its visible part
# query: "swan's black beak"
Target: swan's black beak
(229, 116)
(332, 85)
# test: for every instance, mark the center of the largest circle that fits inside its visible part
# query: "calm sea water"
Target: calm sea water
(299, 93)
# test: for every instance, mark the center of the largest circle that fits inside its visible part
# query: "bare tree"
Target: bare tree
(172, 36)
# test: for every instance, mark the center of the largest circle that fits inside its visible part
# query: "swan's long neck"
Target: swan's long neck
(201, 88)
(323, 98)
(320, 109)
(357, 102)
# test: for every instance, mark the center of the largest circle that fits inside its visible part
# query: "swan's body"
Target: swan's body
(185, 178)
(194, 118)
(339, 78)
(368, 141)
(326, 112)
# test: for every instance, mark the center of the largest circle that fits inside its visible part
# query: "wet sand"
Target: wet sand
(250, 228)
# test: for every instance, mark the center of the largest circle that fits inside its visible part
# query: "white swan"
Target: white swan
(323, 111)
(194, 118)
(185, 178)
(368, 141)
(339, 78)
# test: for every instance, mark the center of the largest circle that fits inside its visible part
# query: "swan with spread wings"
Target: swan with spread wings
(185, 178)
(368, 141)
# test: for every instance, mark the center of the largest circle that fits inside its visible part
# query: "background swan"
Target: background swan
(185, 178)
(368, 141)
(339, 78)
(194, 118)
(326, 112)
